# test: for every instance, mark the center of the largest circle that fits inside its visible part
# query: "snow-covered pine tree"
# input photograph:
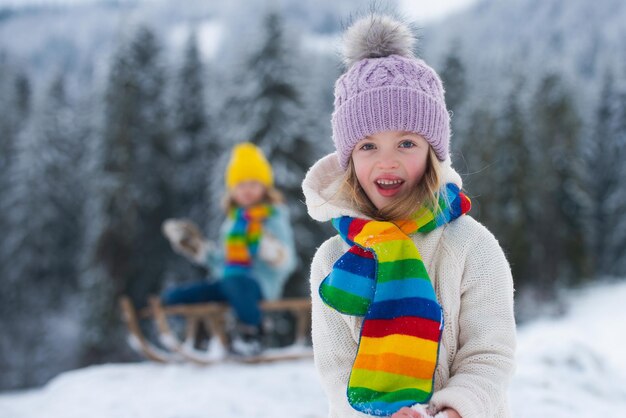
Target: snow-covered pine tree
(192, 147)
(323, 69)
(558, 211)
(267, 109)
(454, 79)
(15, 97)
(153, 163)
(44, 199)
(23, 96)
(111, 211)
(455, 84)
(11, 123)
(619, 202)
(15, 101)
(513, 190)
(8, 133)
(125, 250)
(194, 151)
(477, 153)
(605, 162)
(41, 240)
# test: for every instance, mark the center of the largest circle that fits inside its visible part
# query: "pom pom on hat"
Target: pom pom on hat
(247, 163)
(377, 36)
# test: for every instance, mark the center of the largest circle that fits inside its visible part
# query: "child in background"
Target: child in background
(256, 251)
(413, 299)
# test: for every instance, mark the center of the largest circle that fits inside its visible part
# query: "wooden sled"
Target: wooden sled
(211, 316)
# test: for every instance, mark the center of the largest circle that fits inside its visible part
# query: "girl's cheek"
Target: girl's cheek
(361, 170)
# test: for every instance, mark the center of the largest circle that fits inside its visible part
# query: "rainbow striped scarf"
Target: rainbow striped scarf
(382, 277)
(242, 241)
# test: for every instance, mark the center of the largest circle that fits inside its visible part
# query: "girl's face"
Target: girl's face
(390, 163)
(248, 193)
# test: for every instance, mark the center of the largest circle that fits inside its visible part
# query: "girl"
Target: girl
(413, 299)
(257, 251)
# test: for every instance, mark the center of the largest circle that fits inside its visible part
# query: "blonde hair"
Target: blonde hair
(272, 196)
(426, 192)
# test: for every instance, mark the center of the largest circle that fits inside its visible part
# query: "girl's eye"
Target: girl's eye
(367, 146)
(407, 144)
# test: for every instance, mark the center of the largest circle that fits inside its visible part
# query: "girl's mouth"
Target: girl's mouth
(388, 187)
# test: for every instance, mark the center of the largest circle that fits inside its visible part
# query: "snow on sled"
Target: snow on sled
(208, 319)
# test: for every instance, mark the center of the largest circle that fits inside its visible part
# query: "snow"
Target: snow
(153, 390)
(575, 366)
(567, 366)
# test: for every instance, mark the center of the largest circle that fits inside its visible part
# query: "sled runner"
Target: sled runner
(213, 318)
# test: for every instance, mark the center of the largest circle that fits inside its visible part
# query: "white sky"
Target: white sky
(40, 2)
(24, 2)
(429, 10)
(418, 10)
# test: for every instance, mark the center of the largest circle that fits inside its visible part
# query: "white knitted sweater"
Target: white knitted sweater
(473, 283)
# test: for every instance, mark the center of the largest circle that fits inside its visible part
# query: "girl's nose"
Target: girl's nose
(388, 160)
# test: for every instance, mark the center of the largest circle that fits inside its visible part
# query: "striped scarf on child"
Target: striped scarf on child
(242, 241)
(382, 277)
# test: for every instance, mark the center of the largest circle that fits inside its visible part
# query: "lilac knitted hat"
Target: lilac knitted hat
(386, 88)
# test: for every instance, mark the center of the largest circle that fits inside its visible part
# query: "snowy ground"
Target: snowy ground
(568, 367)
(575, 366)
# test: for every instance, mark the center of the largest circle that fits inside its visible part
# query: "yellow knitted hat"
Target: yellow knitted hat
(247, 163)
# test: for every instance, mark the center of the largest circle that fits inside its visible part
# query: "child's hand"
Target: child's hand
(408, 413)
(272, 250)
(186, 239)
